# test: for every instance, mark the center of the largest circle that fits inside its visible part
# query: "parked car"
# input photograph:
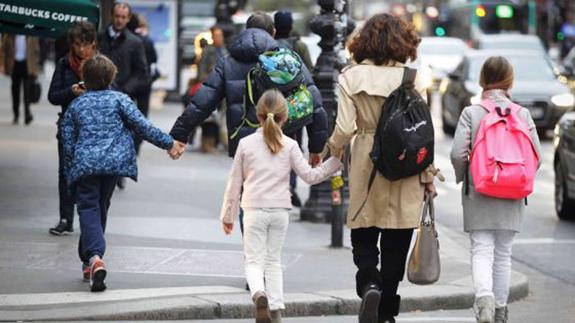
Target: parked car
(442, 54)
(509, 41)
(536, 87)
(564, 165)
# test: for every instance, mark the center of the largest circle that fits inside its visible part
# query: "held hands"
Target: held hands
(177, 150)
(314, 159)
(228, 227)
(77, 90)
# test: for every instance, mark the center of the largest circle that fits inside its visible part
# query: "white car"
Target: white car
(442, 54)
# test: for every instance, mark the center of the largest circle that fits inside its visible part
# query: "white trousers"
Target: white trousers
(264, 235)
(491, 263)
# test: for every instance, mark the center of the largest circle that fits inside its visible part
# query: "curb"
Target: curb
(232, 303)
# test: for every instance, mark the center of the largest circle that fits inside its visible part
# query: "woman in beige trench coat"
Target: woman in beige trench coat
(392, 209)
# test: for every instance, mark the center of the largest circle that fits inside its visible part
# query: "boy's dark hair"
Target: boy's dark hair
(98, 72)
(83, 32)
(261, 20)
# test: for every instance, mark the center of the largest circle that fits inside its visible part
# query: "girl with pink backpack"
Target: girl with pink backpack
(496, 154)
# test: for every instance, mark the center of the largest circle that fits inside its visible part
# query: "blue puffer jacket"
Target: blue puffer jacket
(97, 139)
(228, 81)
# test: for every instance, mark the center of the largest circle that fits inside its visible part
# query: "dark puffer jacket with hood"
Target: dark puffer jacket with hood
(227, 80)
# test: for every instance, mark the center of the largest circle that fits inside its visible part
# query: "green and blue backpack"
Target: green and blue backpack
(280, 69)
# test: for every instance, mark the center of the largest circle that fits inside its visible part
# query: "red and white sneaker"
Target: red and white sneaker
(97, 275)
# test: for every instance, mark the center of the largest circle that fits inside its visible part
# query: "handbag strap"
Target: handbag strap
(428, 209)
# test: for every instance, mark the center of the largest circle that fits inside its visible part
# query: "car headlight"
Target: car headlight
(565, 100)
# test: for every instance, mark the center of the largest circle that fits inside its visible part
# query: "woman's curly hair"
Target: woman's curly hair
(385, 39)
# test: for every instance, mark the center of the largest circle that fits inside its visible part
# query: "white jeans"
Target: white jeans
(264, 235)
(491, 263)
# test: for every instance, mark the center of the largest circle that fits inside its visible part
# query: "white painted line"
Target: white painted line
(437, 319)
(528, 241)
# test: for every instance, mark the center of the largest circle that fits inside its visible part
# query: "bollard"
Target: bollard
(337, 184)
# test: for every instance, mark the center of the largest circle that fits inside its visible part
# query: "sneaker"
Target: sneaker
(97, 275)
(85, 273)
(263, 314)
(295, 201)
(62, 228)
(484, 309)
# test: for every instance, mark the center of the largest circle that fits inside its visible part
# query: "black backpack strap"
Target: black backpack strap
(371, 179)
(408, 75)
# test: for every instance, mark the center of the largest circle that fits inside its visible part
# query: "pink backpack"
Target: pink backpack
(503, 160)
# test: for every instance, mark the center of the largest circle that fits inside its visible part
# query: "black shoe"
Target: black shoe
(295, 201)
(15, 120)
(389, 308)
(28, 119)
(63, 228)
(121, 183)
(368, 312)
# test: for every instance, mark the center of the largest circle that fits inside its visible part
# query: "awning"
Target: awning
(45, 18)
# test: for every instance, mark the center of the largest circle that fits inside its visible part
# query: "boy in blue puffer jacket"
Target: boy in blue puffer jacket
(98, 149)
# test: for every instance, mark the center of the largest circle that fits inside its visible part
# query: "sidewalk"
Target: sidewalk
(167, 256)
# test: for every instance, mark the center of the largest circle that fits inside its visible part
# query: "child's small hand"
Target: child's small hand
(177, 150)
(314, 159)
(228, 227)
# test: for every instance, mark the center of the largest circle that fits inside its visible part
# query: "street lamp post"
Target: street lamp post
(332, 25)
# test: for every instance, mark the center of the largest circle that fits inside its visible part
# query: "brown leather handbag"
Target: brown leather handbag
(424, 265)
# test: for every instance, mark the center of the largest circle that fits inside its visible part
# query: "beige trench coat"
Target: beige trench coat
(362, 90)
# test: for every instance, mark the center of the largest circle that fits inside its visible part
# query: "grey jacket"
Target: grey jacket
(481, 212)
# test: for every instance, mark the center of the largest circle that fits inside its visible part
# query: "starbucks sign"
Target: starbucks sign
(45, 18)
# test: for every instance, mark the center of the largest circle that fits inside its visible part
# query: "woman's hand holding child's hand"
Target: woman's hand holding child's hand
(228, 227)
(177, 150)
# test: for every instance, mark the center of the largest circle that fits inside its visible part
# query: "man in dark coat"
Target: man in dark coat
(228, 81)
(126, 50)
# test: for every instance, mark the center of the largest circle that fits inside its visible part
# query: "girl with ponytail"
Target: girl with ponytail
(259, 183)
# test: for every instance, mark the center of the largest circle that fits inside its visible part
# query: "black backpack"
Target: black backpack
(403, 144)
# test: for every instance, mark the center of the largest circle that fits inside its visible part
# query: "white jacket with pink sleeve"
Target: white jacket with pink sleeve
(265, 176)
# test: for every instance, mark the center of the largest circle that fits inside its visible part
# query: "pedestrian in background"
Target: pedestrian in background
(127, 52)
(261, 169)
(491, 222)
(283, 22)
(66, 85)
(393, 209)
(209, 57)
(21, 62)
(98, 148)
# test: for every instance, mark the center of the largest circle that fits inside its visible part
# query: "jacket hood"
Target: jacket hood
(250, 44)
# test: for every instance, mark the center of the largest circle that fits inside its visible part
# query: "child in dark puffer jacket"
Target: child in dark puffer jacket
(98, 149)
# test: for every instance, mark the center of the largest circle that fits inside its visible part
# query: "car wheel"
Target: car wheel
(447, 129)
(564, 206)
